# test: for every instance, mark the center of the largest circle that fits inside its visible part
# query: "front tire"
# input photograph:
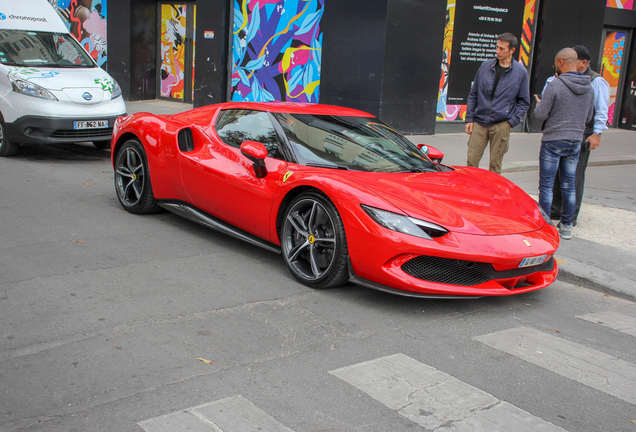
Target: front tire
(7, 148)
(132, 179)
(314, 242)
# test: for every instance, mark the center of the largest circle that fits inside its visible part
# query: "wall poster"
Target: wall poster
(276, 50)
(470, 38)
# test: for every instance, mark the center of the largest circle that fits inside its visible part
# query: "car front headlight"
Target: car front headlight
(544, 214)
(30, 89)
(405, 224)
(116, 91)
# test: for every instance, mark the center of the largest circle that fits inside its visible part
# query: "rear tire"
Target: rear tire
(132, 179)
(7, 148)
(314, 242)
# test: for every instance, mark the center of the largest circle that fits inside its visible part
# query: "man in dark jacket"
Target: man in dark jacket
(565, 108)
(497, 102)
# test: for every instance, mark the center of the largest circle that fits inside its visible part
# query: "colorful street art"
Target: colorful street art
(621, 4)
(86, 20)
(173, 33)
(277, 47)
(611, 66)
(458, 112)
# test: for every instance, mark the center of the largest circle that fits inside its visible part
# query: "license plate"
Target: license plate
(92, 124)
(532, 261)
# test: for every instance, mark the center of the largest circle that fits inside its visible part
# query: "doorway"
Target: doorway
(175, 57)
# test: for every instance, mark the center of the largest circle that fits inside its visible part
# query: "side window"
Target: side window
(237, 126)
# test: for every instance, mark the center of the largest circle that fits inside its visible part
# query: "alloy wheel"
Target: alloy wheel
(310, 241)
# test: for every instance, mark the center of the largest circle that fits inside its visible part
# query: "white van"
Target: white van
(51, 90)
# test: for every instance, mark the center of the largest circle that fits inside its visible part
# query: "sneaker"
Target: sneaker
(565, 230)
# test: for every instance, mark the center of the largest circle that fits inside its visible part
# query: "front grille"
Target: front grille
(466, 273)
(84, 133)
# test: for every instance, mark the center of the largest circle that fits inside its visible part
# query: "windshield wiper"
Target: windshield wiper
(333, 166)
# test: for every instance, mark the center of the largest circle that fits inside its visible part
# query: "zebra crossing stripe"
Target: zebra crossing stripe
(233, 414)
(590, 367)
(433, 399)
(614, 320)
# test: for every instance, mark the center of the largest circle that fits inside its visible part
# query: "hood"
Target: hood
(466, 200)
(578, 84)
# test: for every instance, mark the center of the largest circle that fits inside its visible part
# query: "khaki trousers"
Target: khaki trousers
(499, 137)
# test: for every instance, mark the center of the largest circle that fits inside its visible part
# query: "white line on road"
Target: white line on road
(434, 399)
(614, 320)
(233, 414)
(571, 360)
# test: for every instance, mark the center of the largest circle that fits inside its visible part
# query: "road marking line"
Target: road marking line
(233, 414)
(613, 320)
(590, 367)
(176, 422)
(433, 399)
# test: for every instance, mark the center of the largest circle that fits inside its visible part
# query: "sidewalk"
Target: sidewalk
(602, 253)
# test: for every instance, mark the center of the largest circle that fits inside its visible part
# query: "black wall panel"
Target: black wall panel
(563, 23)
(143, 55)
(211, 55)
(118, 28)
(353, 53)
(412, 64)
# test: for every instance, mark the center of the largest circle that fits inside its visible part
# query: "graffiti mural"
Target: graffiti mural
(621, 4)
(611, 66)
(277, 47)
(174, 18)
(173, 33)
(449, 112)
(86, 20)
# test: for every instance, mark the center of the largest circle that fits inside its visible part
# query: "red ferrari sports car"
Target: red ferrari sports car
(343, 197)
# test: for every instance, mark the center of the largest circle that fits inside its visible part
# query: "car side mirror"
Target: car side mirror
(256, 152)
(430, 151)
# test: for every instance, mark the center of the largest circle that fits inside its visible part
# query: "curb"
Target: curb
(588, 276)
(534, 165)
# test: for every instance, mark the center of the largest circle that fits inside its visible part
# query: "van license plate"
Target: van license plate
(532, 261)
(93, 124)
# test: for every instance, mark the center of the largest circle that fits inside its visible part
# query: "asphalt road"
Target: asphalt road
(110, 320)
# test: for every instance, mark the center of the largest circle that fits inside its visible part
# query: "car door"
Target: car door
(221, 181)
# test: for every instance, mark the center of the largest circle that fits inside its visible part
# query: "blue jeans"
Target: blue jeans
(561, 156)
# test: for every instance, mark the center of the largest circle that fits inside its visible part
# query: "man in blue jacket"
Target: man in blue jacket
(497, 102)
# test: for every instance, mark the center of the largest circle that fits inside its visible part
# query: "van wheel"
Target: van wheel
(7, 148)
(101, 145)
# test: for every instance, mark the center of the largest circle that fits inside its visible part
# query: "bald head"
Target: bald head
(565, 61)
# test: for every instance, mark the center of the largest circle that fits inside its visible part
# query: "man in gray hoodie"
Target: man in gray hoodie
(565, 108)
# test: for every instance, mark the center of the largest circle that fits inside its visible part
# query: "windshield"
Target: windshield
(44, 49)
(355, 143)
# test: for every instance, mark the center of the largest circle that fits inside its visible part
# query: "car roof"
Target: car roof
(204, 114)
(294, 108)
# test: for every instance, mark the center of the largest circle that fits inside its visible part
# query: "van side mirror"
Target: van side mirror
(430, 151)
(256, 152)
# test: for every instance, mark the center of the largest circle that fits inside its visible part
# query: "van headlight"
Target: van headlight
(116, 90)
(30, 89)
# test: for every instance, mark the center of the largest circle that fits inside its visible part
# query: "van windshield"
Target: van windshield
(43, 49)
